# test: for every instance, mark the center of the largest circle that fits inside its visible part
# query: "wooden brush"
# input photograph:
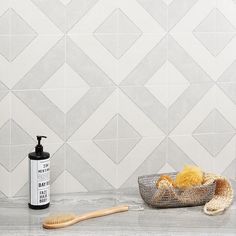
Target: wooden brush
(64, 220)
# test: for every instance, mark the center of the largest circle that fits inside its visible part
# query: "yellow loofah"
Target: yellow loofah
(189, 176)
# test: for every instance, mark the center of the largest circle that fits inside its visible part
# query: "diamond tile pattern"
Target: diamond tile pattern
(117, 138)
(120, 88)
(209, 32)
(167, 84)
(214, 132)
(117, 33)
(65, 14)
(17, 34)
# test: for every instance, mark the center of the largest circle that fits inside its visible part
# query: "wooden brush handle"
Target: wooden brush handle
(54, 224)
(103, 212)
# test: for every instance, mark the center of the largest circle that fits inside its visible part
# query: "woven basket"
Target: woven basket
(169, 196)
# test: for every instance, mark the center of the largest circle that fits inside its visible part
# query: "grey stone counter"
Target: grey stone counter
(17, 219)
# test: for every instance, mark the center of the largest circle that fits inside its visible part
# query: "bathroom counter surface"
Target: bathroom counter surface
(17, 219)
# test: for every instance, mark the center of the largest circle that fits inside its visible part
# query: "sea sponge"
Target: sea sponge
(167, 178)
(188, 177)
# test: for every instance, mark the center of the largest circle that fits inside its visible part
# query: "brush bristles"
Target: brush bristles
(58, 219)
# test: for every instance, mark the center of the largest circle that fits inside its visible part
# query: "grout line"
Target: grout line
(114, 86)
(117, 98)
(65, 103)
(10, 108)
(168, 88)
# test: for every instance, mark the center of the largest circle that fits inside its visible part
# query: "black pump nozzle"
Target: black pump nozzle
(39, 147)
(39, 137)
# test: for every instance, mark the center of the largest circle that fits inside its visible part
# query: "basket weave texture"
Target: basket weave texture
(167, 196)
(223, 196)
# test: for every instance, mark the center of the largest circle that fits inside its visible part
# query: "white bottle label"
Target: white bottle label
(39, 177)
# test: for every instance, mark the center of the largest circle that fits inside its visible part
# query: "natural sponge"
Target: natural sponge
(167, 178)
(189, 176)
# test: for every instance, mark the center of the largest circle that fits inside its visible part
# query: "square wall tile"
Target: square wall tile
(155, 154)
(190, 108)
(76, 10)
(185, 149)
(143, 111)
(158, 10)
(83, 66)
(36, 114)
(88, 111)
(90, 60)
(88, 167)
(187, 16)
(42, 16)
(41, 67)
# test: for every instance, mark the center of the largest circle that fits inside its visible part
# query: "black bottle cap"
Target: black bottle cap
(39, 153)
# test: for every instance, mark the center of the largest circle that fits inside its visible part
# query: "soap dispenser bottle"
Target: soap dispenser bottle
(39, 177)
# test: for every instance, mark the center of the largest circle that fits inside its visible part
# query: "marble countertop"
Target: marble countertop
(17, 219)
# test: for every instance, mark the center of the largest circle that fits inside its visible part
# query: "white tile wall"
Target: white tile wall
(121, 88)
